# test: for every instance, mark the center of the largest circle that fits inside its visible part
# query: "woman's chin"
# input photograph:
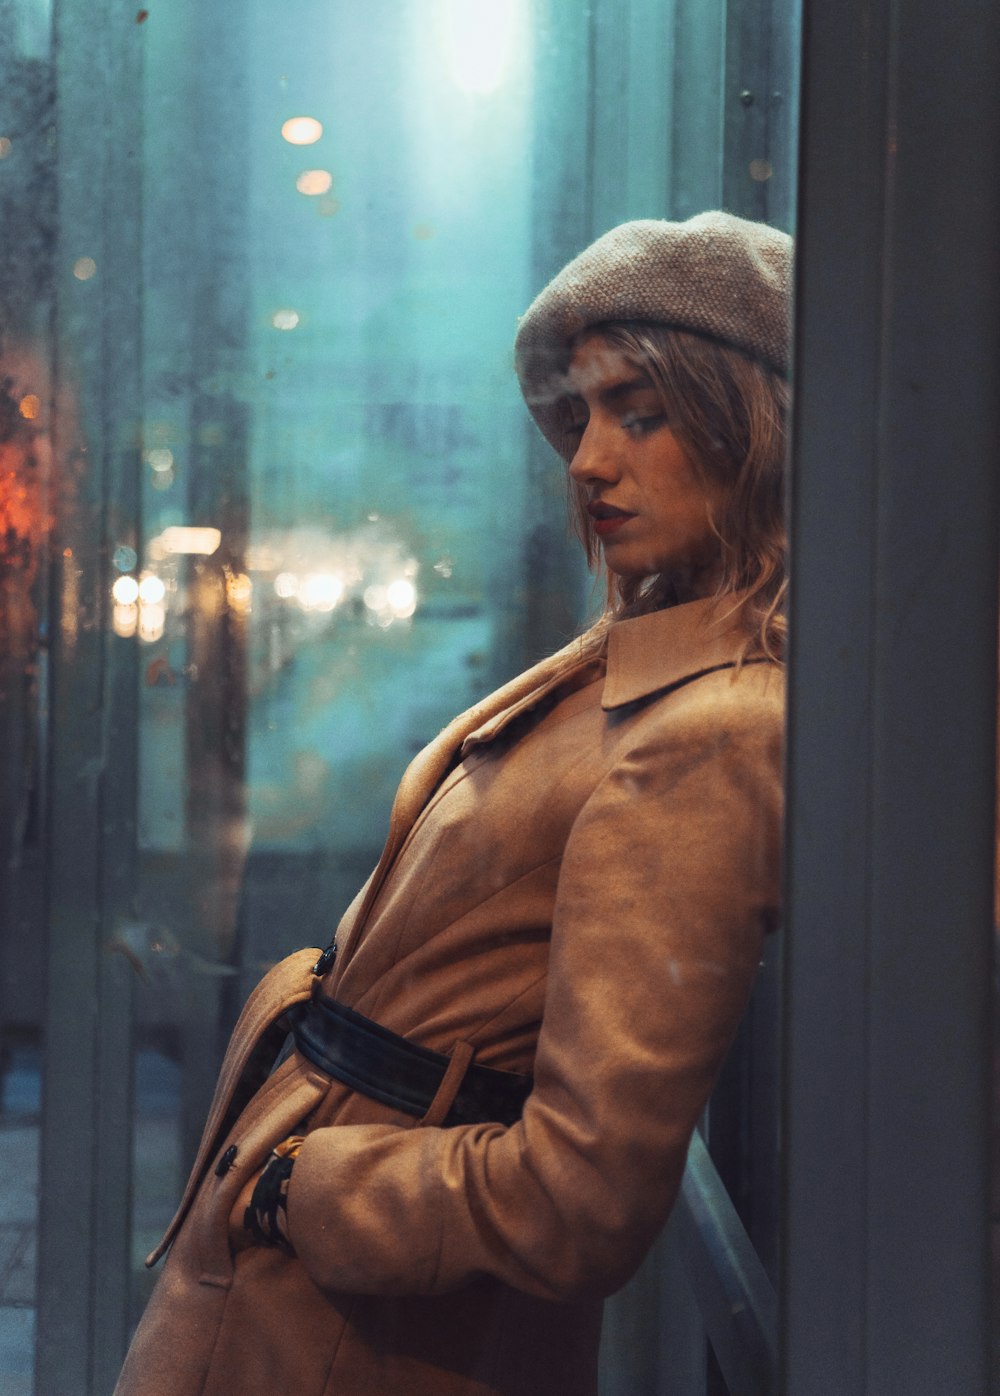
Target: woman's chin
(683, 580)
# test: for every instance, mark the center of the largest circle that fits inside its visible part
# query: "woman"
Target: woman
(498, 1064)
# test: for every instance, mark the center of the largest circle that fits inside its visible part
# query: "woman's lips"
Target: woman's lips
(607, 519)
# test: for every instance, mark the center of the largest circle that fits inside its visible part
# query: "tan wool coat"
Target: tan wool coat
(577, 880)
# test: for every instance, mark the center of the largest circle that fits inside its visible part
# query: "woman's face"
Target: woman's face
(649, 507)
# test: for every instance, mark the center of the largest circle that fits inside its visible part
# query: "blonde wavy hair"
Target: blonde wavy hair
(730, 413)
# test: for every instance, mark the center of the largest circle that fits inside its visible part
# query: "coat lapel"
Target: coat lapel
(645, 654)
(427, 769)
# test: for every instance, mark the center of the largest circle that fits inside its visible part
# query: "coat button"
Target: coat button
(325, 960)
(226, 1161)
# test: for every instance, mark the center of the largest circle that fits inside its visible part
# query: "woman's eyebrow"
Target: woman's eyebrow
(617, 391)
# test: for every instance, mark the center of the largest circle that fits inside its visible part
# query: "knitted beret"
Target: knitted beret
(715, 274)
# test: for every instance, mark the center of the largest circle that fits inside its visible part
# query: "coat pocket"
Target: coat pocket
(275, 1112)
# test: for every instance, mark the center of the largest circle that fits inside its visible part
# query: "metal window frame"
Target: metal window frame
(892, 702)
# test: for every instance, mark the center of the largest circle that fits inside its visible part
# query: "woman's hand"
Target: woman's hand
(265, 1196)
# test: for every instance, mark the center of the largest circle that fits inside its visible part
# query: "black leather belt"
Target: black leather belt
(369, 1058)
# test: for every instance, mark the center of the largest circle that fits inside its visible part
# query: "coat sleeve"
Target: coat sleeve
(668, 882)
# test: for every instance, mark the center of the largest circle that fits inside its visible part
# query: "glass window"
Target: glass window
(273, 512)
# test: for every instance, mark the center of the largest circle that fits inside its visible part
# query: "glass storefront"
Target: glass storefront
(271, 512)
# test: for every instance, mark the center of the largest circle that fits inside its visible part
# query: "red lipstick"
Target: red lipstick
(607, 519)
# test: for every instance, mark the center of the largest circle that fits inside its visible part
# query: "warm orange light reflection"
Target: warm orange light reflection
(29, 406)
(302, 130)
(239, 591)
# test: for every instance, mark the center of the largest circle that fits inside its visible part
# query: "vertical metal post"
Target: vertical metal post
(85, 1158)
(892, 702)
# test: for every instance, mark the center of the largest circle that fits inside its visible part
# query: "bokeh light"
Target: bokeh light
(124, 557)
(201, 542)
(285, 319)
(401, 597)
(239, 591)
(302, 130)
(314, 182)
(152, 621)
(151, 589)
(124, 619)
(84, 268)
(125, 591)
(321, 591)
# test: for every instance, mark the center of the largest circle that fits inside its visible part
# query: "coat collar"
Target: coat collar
(649, 653)
(644, 655)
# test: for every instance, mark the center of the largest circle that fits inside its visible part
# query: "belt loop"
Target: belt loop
(451, 1081)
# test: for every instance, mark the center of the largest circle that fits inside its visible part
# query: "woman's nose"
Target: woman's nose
(593, 459)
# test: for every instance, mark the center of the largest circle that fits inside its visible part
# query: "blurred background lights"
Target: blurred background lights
(151, 589)
(314, 182)
(84, 268)
(321, 591)
(401, 597)
(302, 130)
(124, 620)
(29, 406)
(286, 584)
(478, 38)
(152, 620)
(125, 591)
(285, 319)
(160, 459)
(239, 591)
(180, 539)
(124, 557)
(5, 147)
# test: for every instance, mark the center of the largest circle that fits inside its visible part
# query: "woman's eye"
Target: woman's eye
(641, 424)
